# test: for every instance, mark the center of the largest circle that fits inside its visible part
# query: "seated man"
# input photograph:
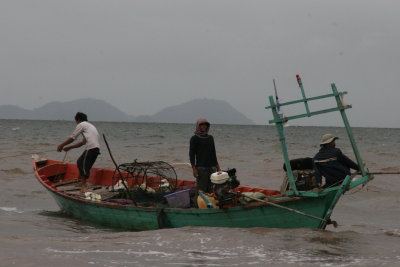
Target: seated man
(331, 163)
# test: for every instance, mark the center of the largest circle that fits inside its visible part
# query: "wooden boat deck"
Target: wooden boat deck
(74, 188)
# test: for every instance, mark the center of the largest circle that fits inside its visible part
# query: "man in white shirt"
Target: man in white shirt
(92, 146)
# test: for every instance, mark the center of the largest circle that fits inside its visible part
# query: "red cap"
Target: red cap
(298, 79)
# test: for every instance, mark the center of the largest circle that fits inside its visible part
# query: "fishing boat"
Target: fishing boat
(113, 199)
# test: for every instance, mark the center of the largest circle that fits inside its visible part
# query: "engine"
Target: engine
(223, 183)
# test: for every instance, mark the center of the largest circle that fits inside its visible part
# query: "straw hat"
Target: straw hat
(327, 138)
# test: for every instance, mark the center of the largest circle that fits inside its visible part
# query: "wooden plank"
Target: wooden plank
(100, 190)
(53, 169)
(69, 186)
(108, 195)
(66, 182)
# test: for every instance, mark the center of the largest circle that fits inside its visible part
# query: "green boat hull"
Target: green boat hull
(290, 209)
(131, 217)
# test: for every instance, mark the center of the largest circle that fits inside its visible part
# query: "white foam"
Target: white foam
(10, 209)
(127, 252)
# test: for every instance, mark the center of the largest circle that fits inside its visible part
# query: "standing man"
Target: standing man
(331, 163)
(90, 138)
(203, 156)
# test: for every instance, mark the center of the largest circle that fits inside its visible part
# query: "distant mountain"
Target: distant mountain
(97, 110)
(14, 112)
(216, 111)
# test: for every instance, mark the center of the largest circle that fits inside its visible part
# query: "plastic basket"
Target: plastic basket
(191, 187)
(179, 199)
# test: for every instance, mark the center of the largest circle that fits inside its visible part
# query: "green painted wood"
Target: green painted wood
(302, 100)
(281, 134)
(279, 120)
(361, 181)
(348, 130)
(343, 188)
(140, 218)
(307, 115)
(303, 94)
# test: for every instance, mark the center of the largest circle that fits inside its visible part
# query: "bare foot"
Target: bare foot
(83, 189)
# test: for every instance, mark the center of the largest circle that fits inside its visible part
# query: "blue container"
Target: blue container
(179, 199)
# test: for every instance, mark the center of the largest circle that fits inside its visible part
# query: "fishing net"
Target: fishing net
(146, 181)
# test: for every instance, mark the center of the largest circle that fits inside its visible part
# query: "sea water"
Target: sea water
(33, 232)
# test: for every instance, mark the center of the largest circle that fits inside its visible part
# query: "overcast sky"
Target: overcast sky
(142, 56)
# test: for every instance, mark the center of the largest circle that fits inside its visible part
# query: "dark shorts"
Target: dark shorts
(86, 161)
(203, 181)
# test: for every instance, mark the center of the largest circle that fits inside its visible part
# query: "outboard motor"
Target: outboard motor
(223, 183)
(303, 173)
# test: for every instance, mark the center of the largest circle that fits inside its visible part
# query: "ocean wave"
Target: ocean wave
(35, 145)
(45, 144)
(386, 153)
(156, 136)
(128, 252)
(10, 209)
(395, 233)
(14, 171)
(178, 164)
(390, 169)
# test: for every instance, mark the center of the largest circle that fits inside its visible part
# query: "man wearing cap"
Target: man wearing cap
(331, 163)
(203, 156)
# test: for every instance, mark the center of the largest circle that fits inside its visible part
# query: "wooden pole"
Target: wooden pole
(383, 173)
(124, 182)
(290, 209)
